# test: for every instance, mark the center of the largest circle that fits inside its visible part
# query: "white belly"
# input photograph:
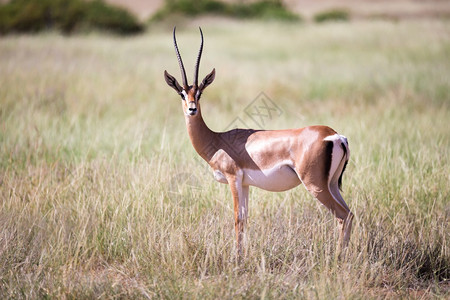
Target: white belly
(279, 178)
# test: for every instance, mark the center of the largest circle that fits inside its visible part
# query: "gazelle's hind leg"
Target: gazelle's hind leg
(338, 207)
(322, 180)
(333, 186)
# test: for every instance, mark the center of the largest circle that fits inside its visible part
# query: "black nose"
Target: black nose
(192, 109)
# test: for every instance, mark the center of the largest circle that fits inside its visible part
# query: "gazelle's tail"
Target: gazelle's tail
(344, 145)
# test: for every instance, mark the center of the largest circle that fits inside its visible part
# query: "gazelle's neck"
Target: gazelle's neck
(202, 138)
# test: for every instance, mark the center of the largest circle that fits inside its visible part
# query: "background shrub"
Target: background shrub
(192, 8)
(65, 15)
(106, 17)
(332, 15)
(266, 9)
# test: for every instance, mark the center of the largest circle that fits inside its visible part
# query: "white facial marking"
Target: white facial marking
(185, 96)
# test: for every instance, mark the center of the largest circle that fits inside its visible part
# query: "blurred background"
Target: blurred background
(103, 196)
(308, 8)
(131, 16)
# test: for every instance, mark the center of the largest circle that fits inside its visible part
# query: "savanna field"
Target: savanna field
(103, 196)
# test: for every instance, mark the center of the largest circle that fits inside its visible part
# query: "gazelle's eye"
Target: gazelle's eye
(183, 95)
(197, 95)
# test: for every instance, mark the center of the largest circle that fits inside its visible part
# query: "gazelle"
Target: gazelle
(273, 160)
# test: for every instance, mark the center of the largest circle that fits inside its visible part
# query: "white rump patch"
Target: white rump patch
(333, 137)
(338, 158)
(339, 138)
(337, 154)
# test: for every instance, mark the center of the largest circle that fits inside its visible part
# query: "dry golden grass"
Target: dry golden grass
(92, 141)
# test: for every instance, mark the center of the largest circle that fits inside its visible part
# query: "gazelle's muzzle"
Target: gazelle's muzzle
(192, 108)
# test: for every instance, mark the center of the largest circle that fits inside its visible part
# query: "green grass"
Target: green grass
(91, 139)
(335, 14)
(66, 16)
(262, 9)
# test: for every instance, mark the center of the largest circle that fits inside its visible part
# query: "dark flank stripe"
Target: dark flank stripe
(328, 158)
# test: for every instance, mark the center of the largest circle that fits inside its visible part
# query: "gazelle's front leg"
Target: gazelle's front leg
(243, 207)
(240, 203)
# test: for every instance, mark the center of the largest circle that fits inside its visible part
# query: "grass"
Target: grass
(92, 145)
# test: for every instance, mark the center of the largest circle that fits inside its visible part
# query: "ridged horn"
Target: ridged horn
(180, 61)
(197, 65)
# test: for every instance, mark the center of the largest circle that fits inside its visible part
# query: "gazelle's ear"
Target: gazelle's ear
(208, 80)
(172, 82)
